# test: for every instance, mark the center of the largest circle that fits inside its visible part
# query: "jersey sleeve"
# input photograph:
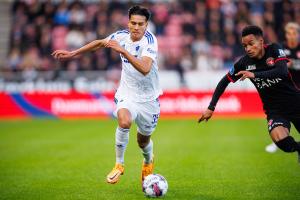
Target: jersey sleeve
(117, 35)
(278, 53)
(150, 50)
(223, 83)
(111, 37)
(278, 62)
(234, 69)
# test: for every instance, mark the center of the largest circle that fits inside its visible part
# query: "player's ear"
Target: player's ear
(261, 40)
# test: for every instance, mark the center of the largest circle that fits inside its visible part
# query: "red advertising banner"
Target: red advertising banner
(74, 104)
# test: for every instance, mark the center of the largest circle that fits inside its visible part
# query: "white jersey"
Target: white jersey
(133, 84)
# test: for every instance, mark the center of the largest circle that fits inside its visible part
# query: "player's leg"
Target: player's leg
(279, 129)
(285, 142)
(272, 123)
(125, 116)
(296, 123)
(146, 123)
(121, 141)
(122, 133)
(146, 145)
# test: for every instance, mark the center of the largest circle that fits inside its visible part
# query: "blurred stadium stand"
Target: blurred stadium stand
(5, 22)
(198, 40)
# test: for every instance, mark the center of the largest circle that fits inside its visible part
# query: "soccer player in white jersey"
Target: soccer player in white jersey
(138, 92)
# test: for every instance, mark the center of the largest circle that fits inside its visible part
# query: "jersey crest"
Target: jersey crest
(270, 62)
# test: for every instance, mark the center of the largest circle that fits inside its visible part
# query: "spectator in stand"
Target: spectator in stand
(194, 26)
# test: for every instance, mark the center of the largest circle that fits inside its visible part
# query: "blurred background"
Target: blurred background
(198, 42)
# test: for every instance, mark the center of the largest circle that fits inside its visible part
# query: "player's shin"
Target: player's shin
(122, 138)
(148, 152)
(288, 144)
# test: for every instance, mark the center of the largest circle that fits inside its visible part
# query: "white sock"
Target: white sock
(122, 138)
(148, 152)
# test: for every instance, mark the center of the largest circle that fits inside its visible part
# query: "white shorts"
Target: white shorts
(145, 114)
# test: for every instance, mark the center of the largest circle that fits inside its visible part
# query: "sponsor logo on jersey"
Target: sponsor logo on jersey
(250, 67)
(262, 83)
(281, 53)
(137, 48)
(270, 62)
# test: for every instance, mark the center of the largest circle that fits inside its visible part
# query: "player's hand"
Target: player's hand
(113, 44)
(63, 54)
(245, 74)
(206, 115)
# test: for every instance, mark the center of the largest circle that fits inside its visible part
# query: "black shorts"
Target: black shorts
(274, 121)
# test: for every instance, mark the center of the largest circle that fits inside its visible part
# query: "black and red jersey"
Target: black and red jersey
(274, 84)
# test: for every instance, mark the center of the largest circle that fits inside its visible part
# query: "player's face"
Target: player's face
(253, 45)
(137, 26)
(291, 34)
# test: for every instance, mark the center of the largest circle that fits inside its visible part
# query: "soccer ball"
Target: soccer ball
(155, 185)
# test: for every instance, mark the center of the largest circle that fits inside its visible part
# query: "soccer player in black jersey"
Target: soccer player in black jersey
(291, 48)
(266, 67)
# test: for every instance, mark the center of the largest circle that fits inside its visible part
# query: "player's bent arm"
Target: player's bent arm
(279, 71)
(222, 85)
(92, 46)
(143, 65)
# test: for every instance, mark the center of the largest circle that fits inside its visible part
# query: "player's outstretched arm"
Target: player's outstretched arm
(92, 46)
(222, 85)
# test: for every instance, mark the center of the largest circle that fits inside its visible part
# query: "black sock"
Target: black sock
(288, 144)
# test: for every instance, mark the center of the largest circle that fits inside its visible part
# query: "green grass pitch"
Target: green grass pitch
(219, 160)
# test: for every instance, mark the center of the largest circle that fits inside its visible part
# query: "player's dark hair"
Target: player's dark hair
(252, 29)
(138, 10)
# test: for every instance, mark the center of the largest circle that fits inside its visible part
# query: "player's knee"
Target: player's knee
(125, 123)
(279, 132)
(287, 144)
